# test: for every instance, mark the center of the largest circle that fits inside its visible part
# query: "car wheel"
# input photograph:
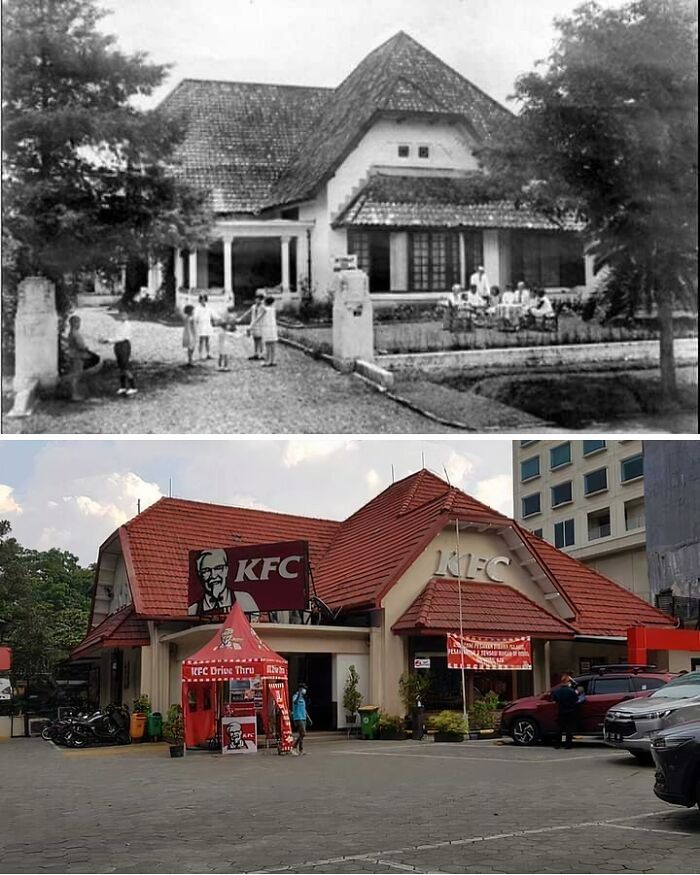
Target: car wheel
(642, 757)
(524, 731)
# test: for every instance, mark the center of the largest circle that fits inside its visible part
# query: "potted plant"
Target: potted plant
(391, 727)
(139, 716)
(413, 688)
(450, 726)
(174, 731)
(482, 715)
(352, 697)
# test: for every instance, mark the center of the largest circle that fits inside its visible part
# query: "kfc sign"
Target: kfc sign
(262, 577)
(470, 565)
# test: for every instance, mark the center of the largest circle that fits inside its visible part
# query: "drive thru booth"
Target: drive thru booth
(232, 686)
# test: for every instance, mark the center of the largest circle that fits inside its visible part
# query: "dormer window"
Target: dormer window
(404, 151)
(424, 151)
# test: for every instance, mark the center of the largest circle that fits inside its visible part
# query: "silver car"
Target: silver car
(630, 725)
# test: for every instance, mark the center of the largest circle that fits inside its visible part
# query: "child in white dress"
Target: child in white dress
(267, 321)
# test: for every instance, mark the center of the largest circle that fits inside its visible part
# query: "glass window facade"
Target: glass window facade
(595, 481)
(561, 493)
(632, 468)
(599, 524)
(529, 468)
(541, 259)
(531, 504)
(593, 447)
(560, 455)
(564, 533)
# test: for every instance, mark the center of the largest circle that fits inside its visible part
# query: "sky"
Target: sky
(318, 42)
(73, 494)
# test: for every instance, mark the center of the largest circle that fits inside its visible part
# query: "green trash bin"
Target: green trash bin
(155, 725)
(369, 721)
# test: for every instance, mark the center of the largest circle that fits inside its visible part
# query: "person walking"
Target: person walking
(267, 321)
(566, 696)
(300, 716)
(189, 334)
(122, 353)
(204, 325)
(255, 328)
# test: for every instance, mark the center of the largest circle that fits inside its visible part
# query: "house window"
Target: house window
(599, 524)
(634, 514)
(537, 532)
(632, 468)
(590, 447)
(358, 244)
(373, 256)
(542, 259)
(433, 260)
(596, 481)
(531, 504)
(561, 493)
(404, 151)
(560, 455)
(564, 535)
(424, 151)
(529, 468)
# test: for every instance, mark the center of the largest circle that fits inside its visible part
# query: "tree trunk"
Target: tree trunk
(666, 356)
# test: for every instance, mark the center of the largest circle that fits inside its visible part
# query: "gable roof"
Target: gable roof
(357, 561)
(239, 136)
(156, 545)
(120, 629)
(389, 200)
(399, 76)
(487, 608)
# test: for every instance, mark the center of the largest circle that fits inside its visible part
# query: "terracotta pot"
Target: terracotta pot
(137, 726)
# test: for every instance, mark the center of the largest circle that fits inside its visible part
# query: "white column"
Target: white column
(228, 268)
(152, 288)
(492, 262)
(285, 267)
(193, 268)
(398, 261)
(588, 262)
(179, 272)
(462, 260)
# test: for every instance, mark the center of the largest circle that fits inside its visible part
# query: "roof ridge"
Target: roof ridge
(264, 84)
(219, 506)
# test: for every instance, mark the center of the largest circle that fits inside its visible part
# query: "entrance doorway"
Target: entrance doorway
(315, 670)
(116, 677)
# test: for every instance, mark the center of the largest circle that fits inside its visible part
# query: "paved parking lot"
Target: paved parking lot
(345, 807)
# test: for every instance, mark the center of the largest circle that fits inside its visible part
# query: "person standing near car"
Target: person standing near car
(300, 717)
(566, 697)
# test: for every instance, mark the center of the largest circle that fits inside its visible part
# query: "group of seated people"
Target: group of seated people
(513, 308)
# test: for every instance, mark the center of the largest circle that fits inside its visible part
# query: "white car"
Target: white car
(630, 725)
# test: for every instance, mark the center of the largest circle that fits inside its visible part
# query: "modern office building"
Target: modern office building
(587, 498)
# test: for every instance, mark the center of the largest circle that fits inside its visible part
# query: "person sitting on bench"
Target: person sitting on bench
(542, 310)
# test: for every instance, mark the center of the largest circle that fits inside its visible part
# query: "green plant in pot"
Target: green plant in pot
(450, 726)
(482, 714)
(174, 731)
(391, 727)
(352, 697)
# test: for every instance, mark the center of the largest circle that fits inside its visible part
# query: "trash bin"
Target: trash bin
(155, 725)
(369, 721)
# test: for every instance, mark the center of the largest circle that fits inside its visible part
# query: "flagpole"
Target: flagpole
(461, 621)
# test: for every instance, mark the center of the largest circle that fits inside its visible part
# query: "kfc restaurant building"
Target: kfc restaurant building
(382, 591)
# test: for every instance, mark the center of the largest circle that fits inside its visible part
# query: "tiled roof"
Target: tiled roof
(120, 629)
(399, 76)
(158, 542)
(240, 136)
(602, 606)
(375, 545)
(489, 608)
(440, 202)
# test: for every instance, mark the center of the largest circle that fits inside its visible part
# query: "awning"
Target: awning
(440, 202)
(120, 629)
(487, 608)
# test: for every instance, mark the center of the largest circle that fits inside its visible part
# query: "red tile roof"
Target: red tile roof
(120, 629)
(487, 608)
(357, 561)
(602, 606)
(157, 544)
(440, 201)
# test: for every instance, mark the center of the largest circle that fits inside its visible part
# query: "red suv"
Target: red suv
(534, 718)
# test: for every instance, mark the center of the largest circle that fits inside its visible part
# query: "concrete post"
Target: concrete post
(179, 270)
(36, 341)
(285, 268)
(398, 261)
(193, 269)
(353, 323)
(492, 262)
(462, 261)
(228, 266)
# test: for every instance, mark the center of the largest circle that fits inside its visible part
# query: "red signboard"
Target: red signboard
(483, 654)
(5, 658)
(231, 671)
(260, 577)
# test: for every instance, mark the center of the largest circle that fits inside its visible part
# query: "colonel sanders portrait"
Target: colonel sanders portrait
(212, 570)
(234, 737)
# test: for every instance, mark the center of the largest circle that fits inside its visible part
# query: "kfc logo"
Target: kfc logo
(262, 577)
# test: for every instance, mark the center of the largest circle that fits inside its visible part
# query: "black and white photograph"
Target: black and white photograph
(262, 216)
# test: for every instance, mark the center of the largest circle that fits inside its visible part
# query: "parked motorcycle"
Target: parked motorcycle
(110, 726)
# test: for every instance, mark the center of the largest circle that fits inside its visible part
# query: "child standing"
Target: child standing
(225, 330)
(122, 353)
(204, 325)
(267, 321)
(255, 329)
(80, 358)
(189, 334)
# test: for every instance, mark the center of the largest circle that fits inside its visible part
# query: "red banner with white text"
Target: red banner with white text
(484, 654)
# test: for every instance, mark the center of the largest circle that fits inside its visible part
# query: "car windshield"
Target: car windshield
(684, 687)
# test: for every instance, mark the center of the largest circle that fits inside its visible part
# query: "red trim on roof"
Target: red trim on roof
(120, 629)
(487, 608)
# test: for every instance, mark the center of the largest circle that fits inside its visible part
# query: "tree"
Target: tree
(44, 602)
(89, 180)
(609, 130)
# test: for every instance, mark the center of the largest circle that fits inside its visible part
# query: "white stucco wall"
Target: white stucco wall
(341, 664)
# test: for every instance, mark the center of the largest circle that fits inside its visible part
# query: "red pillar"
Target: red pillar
(637, 645)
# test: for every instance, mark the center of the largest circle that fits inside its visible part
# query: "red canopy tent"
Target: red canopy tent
(235, 653)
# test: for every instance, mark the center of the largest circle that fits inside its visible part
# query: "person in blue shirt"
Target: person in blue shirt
(300, 717)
